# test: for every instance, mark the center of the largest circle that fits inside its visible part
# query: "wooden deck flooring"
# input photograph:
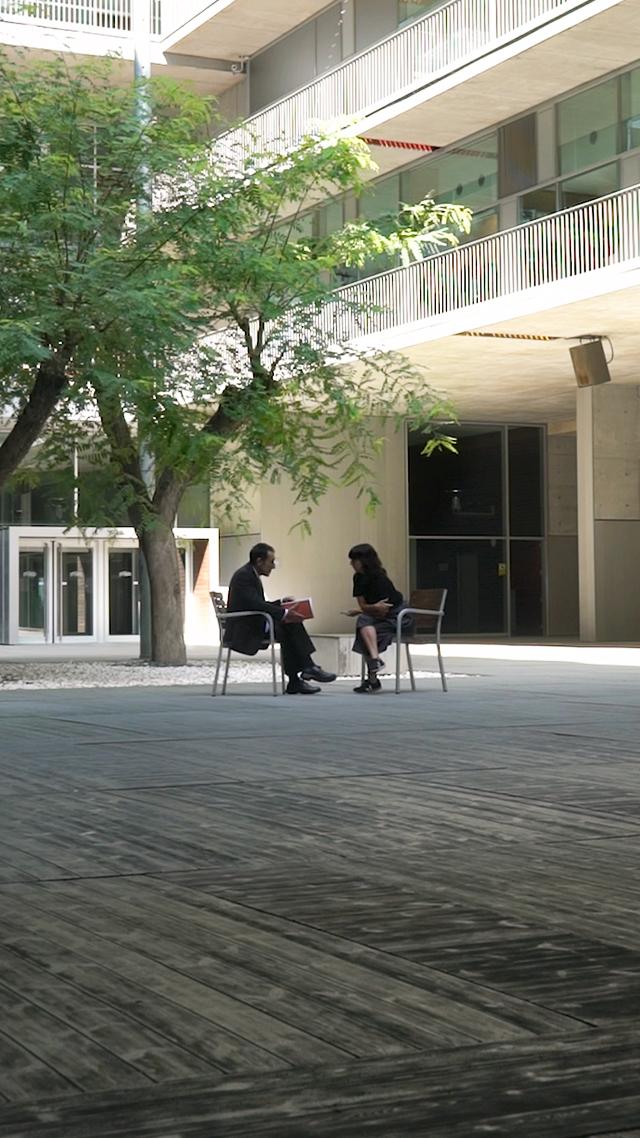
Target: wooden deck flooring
(414, 915)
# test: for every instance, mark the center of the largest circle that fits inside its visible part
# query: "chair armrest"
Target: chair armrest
(225, 616)
(421, 612)
(438, 613)
(246, 612)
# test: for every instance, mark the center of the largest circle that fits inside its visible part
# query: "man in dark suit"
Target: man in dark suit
(247, 634)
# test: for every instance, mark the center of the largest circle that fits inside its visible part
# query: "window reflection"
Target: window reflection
(466, 175)
(412, 9)
(457, 493)
(539, 203)
(586, 187)
(588, 127)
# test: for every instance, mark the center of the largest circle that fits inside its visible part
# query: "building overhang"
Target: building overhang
(236, 29)
(505, 376)
(572, 275)
(400, 92)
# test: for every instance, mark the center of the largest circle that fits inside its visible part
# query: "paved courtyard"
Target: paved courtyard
(337, 916)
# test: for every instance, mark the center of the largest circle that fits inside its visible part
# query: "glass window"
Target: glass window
(586, 187)
(630, 94)
(411, 9)
(11, 507)
(195, 508)
(474, 572)
(418, 182)
(588, 127)
(381, 198)
(123, 592)
(518, 155)
(328, 38)
(76, 582)
(539, 203)
(52, 500)
(525, 481)
(330, 218)
(525, 588)
(466, 175)
(457, 493)
(32, 591)
(482, 225)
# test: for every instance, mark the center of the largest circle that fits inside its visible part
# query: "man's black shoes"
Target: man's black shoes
(301, 687)
(315, 672)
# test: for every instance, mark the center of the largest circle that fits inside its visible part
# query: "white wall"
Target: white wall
(317, 565)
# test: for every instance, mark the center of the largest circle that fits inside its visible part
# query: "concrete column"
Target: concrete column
(562, 530)
(608, 457)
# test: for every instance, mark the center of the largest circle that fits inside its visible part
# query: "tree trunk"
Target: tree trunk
(49, 384)
(167, 604)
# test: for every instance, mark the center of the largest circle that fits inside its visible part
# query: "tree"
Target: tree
(78, 275)
(274, 387)
(207, 337)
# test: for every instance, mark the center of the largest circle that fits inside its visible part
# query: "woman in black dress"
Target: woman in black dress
(379, 604)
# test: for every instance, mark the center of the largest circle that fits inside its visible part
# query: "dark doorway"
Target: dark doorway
(476, 524)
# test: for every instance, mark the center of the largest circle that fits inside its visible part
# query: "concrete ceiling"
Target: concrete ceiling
(532, 381)
(244, 27)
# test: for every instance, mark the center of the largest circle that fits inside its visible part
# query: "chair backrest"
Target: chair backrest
(428, 599)
(219, 606)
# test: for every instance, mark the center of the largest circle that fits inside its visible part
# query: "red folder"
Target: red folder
(299, 609)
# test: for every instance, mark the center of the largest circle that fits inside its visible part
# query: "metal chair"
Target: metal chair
(430, 605)
(223, 617)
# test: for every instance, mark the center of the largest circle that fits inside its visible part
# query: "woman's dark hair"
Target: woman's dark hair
(368, 558)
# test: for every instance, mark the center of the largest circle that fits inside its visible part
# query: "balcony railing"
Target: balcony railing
(604, 234)
(425, 50)
(109, 16)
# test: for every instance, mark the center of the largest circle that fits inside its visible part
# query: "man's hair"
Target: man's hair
(259, 551)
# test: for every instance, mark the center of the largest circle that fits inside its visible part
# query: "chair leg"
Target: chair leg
(398, 661)
(214, 690)
(226, 672)
(410, 663)
(443, 678)
(273, 668)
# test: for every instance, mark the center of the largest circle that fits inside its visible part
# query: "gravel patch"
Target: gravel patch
(36, 675)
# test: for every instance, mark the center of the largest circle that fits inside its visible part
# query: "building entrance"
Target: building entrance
(476, 525)
(56, 590)
(61, 584)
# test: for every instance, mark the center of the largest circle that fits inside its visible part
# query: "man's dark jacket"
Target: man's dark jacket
(246, 592)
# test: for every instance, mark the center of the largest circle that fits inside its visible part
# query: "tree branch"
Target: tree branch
(50, 382)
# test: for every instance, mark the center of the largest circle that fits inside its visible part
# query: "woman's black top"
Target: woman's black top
(376, 587)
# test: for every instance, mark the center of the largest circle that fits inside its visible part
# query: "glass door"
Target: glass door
(476, 525)
(124, 615)
(76, 592)
(32, 605)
